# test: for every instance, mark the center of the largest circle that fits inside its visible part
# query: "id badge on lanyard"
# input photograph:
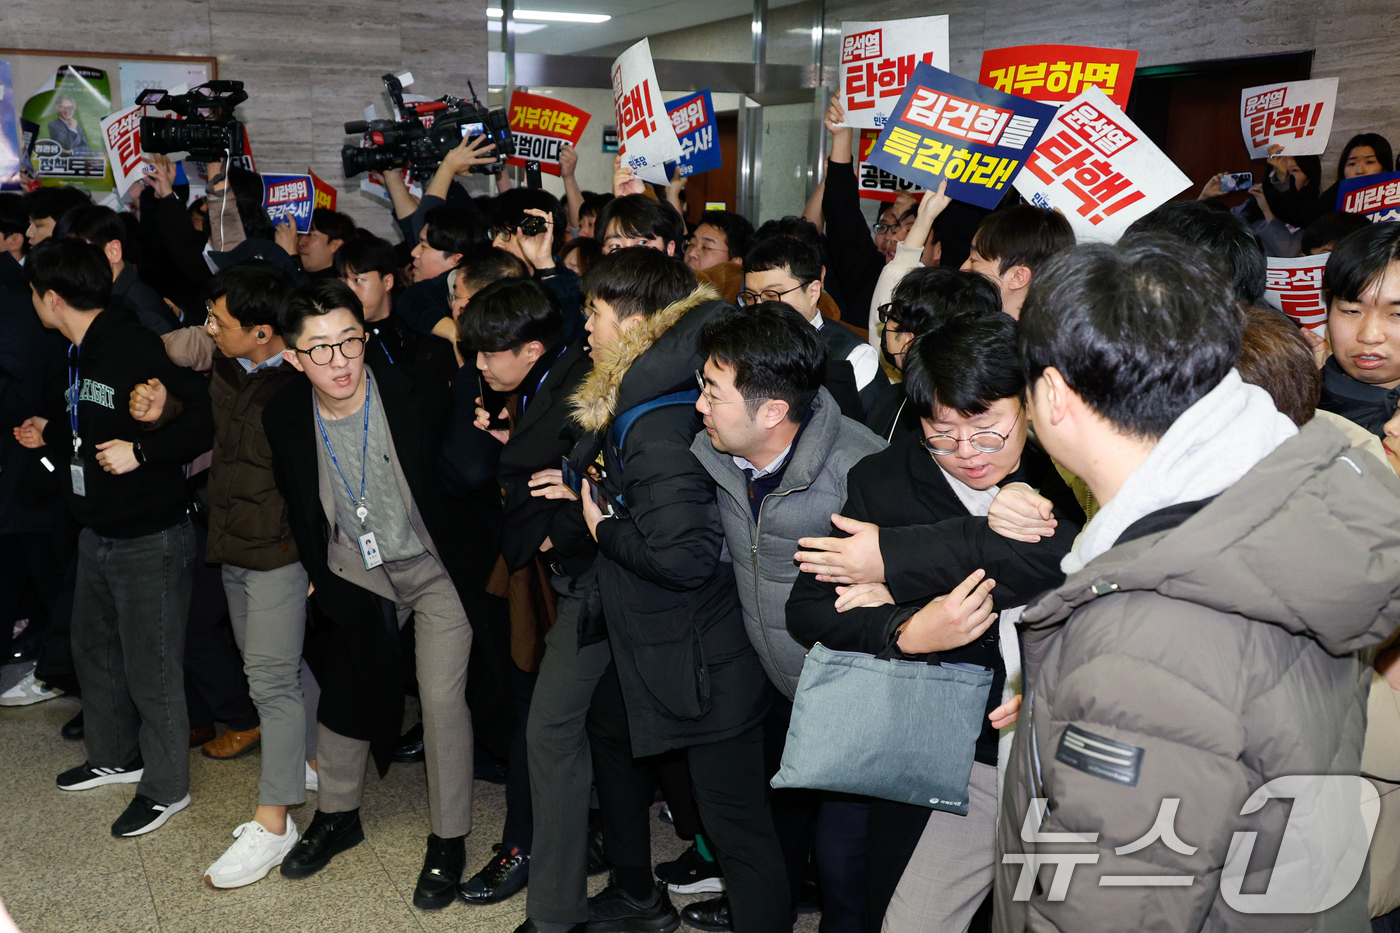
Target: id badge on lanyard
(75, 466)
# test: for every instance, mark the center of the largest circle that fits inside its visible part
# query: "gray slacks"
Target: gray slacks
(561, 762)
(444, 640)
(268, 612)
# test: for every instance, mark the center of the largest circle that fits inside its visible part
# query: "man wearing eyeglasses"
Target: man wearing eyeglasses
(720, 237)
(351, 457)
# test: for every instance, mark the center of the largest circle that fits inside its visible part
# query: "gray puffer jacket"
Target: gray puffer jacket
(813, 487)
(1211, 650)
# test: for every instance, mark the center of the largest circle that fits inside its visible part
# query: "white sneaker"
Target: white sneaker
(313, 780)
(255, 853)
(28, 691)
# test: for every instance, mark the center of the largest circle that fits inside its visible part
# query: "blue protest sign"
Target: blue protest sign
(693, 118)
(1375, 197)
(289, 196)
(948, 127)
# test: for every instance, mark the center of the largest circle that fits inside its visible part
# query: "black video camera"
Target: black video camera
(394, 143)
(208, 132)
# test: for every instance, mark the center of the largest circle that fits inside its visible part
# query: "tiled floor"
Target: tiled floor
(62, 872)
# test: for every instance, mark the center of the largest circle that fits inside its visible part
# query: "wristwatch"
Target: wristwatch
(138, 452)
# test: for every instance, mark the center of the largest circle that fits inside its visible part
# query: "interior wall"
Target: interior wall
(308, 66)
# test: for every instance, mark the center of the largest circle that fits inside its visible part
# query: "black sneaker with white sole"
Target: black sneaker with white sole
(144, 815)
(86, 777)
(690, 874)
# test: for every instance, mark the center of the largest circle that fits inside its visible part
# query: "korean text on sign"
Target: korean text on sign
(289, 196)
(873, 182)
(1294, 286)
(1377, 197)
(121, 133)
(1057, 73)
(878, 60)
(541, 126)
(1096, 166)
(647, 138)
(693, 119)
(974, 136)
(1296, 116)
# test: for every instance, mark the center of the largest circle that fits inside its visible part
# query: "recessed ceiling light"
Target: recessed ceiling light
(547, 16)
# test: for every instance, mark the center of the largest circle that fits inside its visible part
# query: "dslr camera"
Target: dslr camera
(208, 130)
(394, 143)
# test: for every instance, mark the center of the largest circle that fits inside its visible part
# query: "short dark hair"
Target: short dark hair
(802, 259)
(638, 280)
(334, 224)
(13, 219)
(508, 314)
(75, 270)
(1359, 259)
(966, 363)
(92, 222)
(928, 296)
(54, 201)
(458, 230)
(798, 228)
(589, 251)
(738, 232)
(315, 299)
(639, 215)
(511, 206)
(1225, 238)
(1378, 143)
(1024, 235)
(492, 266)
(1141, 330)
(367, 254)
(1329, 229)
(254, 291)
(774, 352)
(593, 204)
(1275, 357)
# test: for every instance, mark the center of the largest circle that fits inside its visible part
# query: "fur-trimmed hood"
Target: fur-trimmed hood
(669, 335)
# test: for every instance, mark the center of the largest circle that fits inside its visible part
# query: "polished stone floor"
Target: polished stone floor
(62, 872)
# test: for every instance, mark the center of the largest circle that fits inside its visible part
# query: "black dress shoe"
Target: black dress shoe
(709, 915)
(328, 835)
(442, 872)
(597, 864)
(73, 728)
(504, 876)
(410, 747)
(613, 910)
(529, 927)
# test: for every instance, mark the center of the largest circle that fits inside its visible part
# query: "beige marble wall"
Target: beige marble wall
(308, 65)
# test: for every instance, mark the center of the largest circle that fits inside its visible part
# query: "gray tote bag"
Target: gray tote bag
(894, 729)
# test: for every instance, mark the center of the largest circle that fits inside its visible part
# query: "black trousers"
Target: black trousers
(55, 667)
(216, 689)
(519, 829)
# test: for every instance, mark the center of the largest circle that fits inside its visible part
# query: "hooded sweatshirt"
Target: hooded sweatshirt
(1202, 645)
(116, 354)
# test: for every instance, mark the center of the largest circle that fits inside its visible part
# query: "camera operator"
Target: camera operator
(239, 227)
(411, 214)
(170, 237)
(530, 225)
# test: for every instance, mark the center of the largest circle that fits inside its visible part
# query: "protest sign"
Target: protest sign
(878, 59)
(1376, 197)
(541, 125)
(947, 127)
(1055, 74)
(9, 133)
(1296, 115)
(1294, 286)
(693, 119)
(121, 133)
(68, 109)
(323, 193)
(873, 182)
(289, 196)
(647, 141)
(1099, 169)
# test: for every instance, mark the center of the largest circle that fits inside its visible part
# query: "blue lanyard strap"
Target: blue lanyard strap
(383, 346)
(75, 385)
(364, 454)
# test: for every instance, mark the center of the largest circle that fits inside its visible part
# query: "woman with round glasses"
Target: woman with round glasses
(912, 565)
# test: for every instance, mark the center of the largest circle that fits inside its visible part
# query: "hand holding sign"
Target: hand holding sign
(1297, 115)
(647, 138)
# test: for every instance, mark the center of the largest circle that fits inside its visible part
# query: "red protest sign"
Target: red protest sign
(324, 193)
(1056, 74)
(1294, 286)
(541, 125)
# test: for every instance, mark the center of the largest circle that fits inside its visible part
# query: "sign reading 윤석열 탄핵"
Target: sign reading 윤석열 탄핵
(878, 59)
(974, 136)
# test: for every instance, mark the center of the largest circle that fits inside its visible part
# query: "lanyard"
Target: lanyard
(525, 399)
(360, 511)
(383, 346)
(74, 388)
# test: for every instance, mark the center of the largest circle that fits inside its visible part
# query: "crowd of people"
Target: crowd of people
(621, 471)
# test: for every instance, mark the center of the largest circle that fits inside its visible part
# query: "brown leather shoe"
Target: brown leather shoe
(233, 744)
(201, 734)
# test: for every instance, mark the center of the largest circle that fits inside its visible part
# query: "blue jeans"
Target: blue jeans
(129, 615)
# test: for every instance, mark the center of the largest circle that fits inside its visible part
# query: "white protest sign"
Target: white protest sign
(877, 61)
(646, 139)
(1098, 168)
(1297, 116)
(1294, 286)
(121, 133)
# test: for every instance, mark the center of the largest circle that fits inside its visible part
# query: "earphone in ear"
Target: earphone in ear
(261, 334)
